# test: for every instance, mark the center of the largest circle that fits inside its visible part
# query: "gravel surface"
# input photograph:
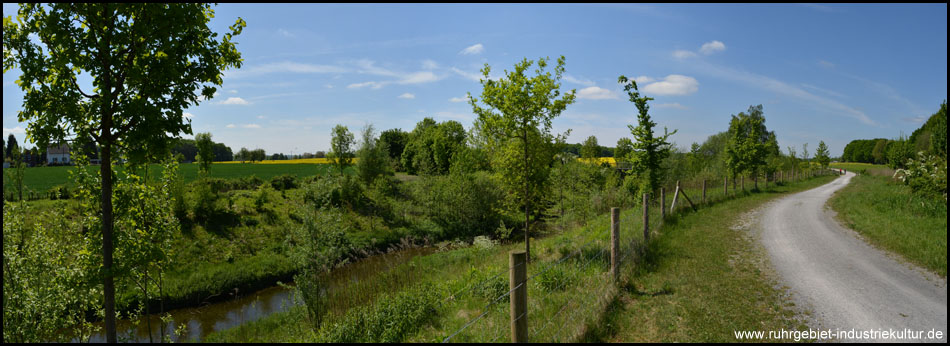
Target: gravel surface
(846, 283)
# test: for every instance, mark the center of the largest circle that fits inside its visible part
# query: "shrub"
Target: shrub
(284, 182)
(926, 175)
(390, 319)
(463, 205)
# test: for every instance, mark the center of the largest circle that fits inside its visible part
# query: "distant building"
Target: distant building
(58, 155)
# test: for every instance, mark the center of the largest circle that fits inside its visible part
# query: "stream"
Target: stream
(204, 320)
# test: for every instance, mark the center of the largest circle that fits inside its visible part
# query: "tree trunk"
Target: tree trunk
(527, 200)
(105, 167)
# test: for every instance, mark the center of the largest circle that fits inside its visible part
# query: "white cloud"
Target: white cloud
(7, 132)
(261, 117)
(407, 96)
(328, 86)
(595, 93)
(459, 99)
(712, 47)
(234, 101)
(230, 126)
(251, 126)
(374, 85)
(673, 84)
(475, 49)
(778, 86)
(284, 33)
(186, 115)
(284, 67)
(233, 91)
(683, 54)
(453, 115)
(369, 67)
(825, 64)
(428, 64)
(470, 76)
(583, 82)
(643, 80)
(673, 105)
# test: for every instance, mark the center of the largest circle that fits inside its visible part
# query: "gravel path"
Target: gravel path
(848, 284)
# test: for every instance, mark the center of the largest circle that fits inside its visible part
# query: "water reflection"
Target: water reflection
(202, 321)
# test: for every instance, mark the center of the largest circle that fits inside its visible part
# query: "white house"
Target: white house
(58, 155)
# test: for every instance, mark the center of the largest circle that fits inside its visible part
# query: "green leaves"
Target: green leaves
(648, 150)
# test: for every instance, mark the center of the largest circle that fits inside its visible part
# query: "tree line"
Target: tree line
(929, 138)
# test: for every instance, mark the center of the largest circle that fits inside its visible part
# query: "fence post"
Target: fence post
(725, 186)
(742, 182)
(615, 243)
(519, 297)
(646, 217)
(662, 204)
(704, 191)
(755, 179)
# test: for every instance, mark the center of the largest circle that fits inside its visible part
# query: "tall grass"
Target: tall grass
(892, 217)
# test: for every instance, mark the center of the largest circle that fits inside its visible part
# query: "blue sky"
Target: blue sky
(831, 72)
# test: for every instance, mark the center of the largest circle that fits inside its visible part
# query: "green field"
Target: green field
(42, 179)
(857, 167)
(891, 217)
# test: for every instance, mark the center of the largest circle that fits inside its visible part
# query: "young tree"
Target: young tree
(373, 161)
(17, 171)
(11, 144)
(821, 155)
(649, 151)
(143, 80)
(205, 152)
(515, 126)
(590, 150)
(341, 148)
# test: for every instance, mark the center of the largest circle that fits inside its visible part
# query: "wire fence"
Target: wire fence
(573, 308)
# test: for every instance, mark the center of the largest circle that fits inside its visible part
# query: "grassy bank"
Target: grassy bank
(892, 218)
(699, 282)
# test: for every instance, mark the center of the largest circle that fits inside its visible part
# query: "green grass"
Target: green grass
(891, 217)
(857, 167)
(42, 179)
(699, 275)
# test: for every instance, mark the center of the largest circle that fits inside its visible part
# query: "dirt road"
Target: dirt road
(844, 281)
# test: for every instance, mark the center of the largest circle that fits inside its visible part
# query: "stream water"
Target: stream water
(246, 307)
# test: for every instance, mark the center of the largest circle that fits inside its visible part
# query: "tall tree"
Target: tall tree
(821, 155)
(516, 126)
(649, 150)
(624, 148)
(11, 143)
(341, 148)
(244, 154)
(146, 61)
(373, 161)
(205, 152)
(393, 141)
(590, 150)
(749, 142)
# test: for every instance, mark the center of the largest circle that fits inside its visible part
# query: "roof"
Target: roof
(59, 149)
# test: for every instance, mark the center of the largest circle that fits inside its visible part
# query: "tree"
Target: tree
(244, 154)
(17, 171)
(516, 125)
(373, 161)
(821, 155)
(648, 150)
(590, 150)
(11, 144)
(205, 152)
(624, 148)
(749, 142)
(341, 148)
(394, 141)
(143, 80)
(222, 152)
(432, 146)
(878, 153)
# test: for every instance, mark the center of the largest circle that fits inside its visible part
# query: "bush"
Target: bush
(284, 182)
(463, 205)
(926, 175)
(335, 192)
(390, 319)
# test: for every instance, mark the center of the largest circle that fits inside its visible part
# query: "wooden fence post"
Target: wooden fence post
(704, 191)
(725, 186)
(646, 217)
(519, 297)
(662, 204)
(676, 195)
(615, 244)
